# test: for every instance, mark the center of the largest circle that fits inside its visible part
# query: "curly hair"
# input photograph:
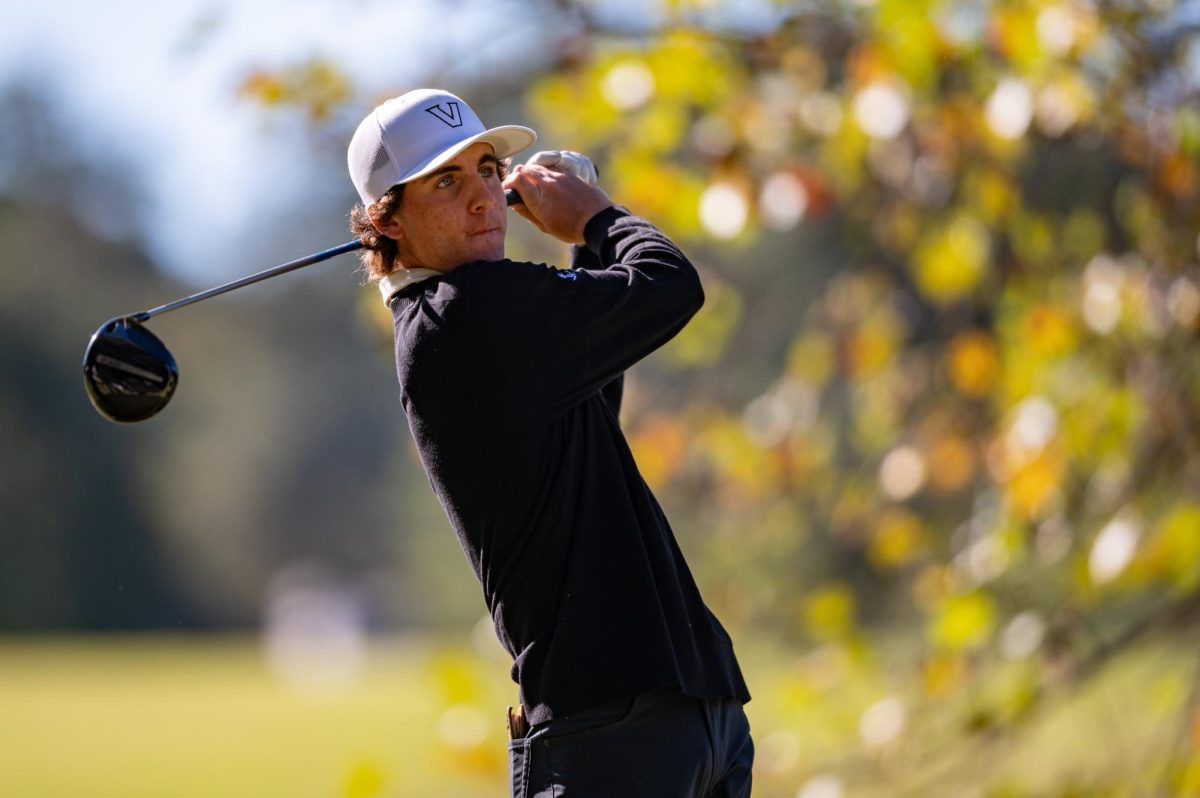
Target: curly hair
(380, 256)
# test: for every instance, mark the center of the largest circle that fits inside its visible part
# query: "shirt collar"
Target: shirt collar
(400, 279)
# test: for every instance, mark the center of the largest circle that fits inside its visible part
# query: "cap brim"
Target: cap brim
(507, 140)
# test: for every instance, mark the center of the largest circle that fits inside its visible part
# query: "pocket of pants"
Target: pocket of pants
(518, 767)
(591, 720)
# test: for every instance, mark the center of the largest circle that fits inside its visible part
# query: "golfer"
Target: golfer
(511, 377)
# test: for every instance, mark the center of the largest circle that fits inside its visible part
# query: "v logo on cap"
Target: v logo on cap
(452, 117)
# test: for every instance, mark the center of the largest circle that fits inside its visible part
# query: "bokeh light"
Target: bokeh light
(1113, 548)
(313, 629)
(881, 110)
(783, 201)
(628, 85)
(823, 786)
(1009, 109)
(882, 722)
(724, 210)
(1023, 635)
(902, 473)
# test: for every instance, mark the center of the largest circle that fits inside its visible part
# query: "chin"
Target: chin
(491, 251)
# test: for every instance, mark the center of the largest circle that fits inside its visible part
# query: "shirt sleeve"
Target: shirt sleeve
(576, 331)
(584, 257)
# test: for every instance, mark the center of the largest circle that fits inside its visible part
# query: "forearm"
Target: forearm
(620, 240)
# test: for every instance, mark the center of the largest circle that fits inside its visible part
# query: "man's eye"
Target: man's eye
(487, 171)
(445, 181)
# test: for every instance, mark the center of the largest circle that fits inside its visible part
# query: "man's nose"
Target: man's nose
(481, 197)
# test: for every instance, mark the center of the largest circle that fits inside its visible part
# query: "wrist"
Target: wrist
(595, 230)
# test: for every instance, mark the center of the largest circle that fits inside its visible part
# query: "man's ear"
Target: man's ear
(386, 224)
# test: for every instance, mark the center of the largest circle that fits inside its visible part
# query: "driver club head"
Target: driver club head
(129, 373)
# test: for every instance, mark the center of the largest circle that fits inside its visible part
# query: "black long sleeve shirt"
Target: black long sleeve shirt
(510, 377)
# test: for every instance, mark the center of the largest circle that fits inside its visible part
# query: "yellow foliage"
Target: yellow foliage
(659, 445)
(973, 363)
(874, 343)
(908, 36)
(990, 194)
(944, 675)
(845, 158)
(1187, 782)
(693, 67)
(808, 456)
(1187, 123)
(739, 464)
(659, 129)
(265, 87)
(315, 85)
(704, 339)
(1103, 419)
(866, 64)
(1178, 175)
(687, 69)
(658, 190)
(829, 612)
(953, 259)
(1015, 32)
(1047, 331)
(952, 463)
(365, 780)
(455, 678)
(373, 319)
(964, 622)
(1022, 375)
(878, 410)
(1033, 486)
(569, 106)
(1010, 692)
(1174, 552)
(897, 539)
(812, 357)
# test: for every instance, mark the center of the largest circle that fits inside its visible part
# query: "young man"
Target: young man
(511, 374)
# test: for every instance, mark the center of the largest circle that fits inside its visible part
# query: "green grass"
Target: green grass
(109, 717)
(198, 717)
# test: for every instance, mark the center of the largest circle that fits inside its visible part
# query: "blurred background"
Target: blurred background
(932, 447)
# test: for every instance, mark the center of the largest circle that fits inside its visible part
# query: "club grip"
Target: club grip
(571, 163)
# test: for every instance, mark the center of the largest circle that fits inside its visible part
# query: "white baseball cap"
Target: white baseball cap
(413, 134)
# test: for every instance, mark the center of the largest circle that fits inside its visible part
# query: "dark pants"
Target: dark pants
(661, 744)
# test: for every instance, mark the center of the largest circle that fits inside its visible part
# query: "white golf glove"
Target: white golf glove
(572, 163)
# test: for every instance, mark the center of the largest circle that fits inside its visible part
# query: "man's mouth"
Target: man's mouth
(484, 232)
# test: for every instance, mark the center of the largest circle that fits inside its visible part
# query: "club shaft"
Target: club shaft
(284, 268)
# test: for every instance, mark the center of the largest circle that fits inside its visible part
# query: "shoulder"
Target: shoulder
(496, 274)
(493, 283)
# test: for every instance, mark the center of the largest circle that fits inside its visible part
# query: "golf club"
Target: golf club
(130, 374)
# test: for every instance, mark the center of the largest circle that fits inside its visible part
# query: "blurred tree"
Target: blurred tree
(78, 548)
(987, 416)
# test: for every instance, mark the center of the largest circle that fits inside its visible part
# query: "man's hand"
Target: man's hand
(556, 203)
